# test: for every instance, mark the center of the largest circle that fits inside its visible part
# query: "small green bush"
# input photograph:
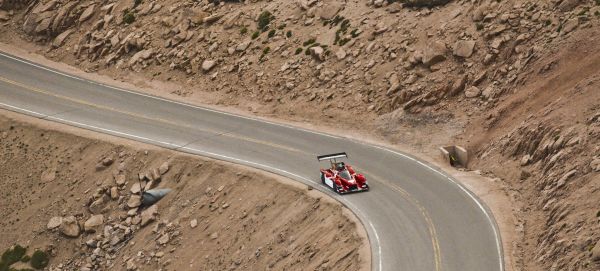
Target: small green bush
(39, 259)
(288, 34)
(264, 19)
(136, 3)
(255, 35)
(128, 17)
(308, 42)
(243, 30)
(272, 33)
(266, 50)
(299, 50)
(13, 255)
(479, 26)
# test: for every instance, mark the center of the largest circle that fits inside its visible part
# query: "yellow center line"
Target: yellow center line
(398, 189)
(136, 115)
(426, 216)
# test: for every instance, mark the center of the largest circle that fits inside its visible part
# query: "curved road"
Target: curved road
(416, 217)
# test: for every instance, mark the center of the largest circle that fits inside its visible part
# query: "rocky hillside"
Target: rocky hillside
(515, 81)
(77, 199)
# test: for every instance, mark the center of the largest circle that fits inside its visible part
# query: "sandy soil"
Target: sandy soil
(246, 219)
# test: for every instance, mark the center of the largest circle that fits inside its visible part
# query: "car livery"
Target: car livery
(341, 177)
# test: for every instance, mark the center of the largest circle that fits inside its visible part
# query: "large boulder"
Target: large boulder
(93, 223)
(70, 227)
(149, 215)
(329, 10)
(434, 53)
(567, 5)
(464, 48)
(54, 222)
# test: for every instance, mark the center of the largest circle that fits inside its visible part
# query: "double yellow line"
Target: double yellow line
(140, 116)
(402, 192)
(430, 226)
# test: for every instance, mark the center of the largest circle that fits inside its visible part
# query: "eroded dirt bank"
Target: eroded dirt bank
(72, 197)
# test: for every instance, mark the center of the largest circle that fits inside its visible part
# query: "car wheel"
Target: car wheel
(322, 178)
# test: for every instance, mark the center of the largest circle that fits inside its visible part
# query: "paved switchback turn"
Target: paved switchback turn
(416, 217)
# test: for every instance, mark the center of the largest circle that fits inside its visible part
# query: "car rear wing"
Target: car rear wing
(332, 156)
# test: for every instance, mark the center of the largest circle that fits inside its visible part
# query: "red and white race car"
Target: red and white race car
(341, 177)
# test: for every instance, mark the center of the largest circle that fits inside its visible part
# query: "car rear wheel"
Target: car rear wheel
(322, 178)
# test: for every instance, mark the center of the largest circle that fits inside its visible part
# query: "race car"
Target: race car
(341, 177)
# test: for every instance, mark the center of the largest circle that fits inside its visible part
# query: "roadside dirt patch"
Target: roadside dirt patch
(218, 216)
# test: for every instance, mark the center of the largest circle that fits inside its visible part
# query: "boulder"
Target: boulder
(317, 52)
(207, 65)
(459, 85)
(141, 55)
(595, 164)
(340, 54)
(243, 46)
(114, 193)
(434, 53)
(98, 205)
(54, 222)
(60, 39)
(164, 168)
(194, 223)
(329, 10)
(567, 5)
(134, 201)
(472, 92)
(4, 16)
(70, 227)
(570, 25)
(93, 223)
(464, 48)
(87, 13)
(149, 215)
(120, 179)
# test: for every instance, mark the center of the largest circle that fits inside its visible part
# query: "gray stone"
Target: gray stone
(434, 53)
(317, 52)
(92, 224)
(472, 92)
(87, 13)
(207, 65)
(464, 48)
(570, 25)
(70, 227)
(567, 5)
(60, 39)
(149, 215)
(54, 222)
(329, 10)
(134, 201)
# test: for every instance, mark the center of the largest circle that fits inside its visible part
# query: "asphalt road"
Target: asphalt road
(417, 218)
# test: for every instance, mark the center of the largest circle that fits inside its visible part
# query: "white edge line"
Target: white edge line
(465, 190)
(491, 220)
(162, 99)
(218, 156)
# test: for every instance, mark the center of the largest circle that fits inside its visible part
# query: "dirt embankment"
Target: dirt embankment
(71, 196)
